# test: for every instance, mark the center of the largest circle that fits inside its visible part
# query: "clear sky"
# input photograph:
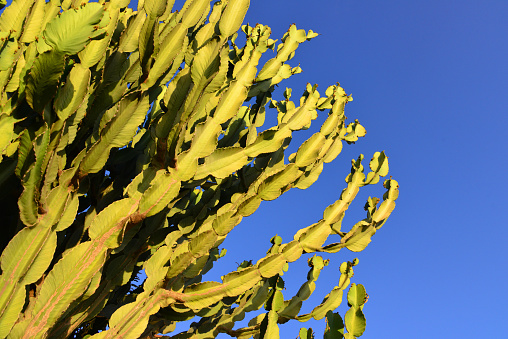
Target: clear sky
(429, 81)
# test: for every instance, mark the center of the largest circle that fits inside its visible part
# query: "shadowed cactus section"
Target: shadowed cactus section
(135, 140)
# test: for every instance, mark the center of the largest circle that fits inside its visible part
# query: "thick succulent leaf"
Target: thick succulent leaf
(307, 153)
(11, 312)
(69, 214)
(384, 211)
(17, 259)
(147, 40)
(117, 133)
(222, 163)
(13, 16)
(29, 198)
(69, 32)
(233, 99)
(128, 40)
(4, 78)
(109, 223)
(66, 282)
(270, 69)
(354, 131)
(359, 237)
(267, 142)
(292, 307)
(379, 163)
(206, 62)
(271, 188)
(55, 205)
(194, 12)
(179, 263)
(272, 329)
(238, 282)
(140, 183)
(155, 8)
(355, 321)
(334, 326)
(201, 244)
(130, 320)
(170, 47)
(42, 261)
(8, 54)
(23, 261)
(71, 96)
(225, 222)
(205, 137)
(335, 211)
(357, 295)
(43, 79)
(285, 51)
(249, 206)
(187, 165)
(379, 167)
(309, 177)
(164, 188)
(330, 125)
(291, 251)
(306, 333)
(330, 303)
(17, 79)
(34, 22)
(173, 99)
(157, 261)
(95, 50)
(6, 131)
(233, 16)
(199, 296)
(388, 204)
(220, 76)
(271, 265)
(333, 151)
(313, 237)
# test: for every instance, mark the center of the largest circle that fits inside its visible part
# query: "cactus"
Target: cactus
(133, 140)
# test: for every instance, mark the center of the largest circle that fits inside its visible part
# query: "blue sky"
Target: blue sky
(429, 81)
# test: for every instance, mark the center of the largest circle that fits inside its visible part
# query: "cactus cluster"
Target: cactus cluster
(135, 140)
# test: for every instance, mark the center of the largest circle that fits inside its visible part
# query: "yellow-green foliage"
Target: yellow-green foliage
(128, 142)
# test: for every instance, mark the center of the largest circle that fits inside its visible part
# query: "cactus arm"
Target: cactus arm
(354, 318)
(334, 326)
(71, 31)
(16, 259)
(119, 131)
(43, 79)
(95, 50)
(14, 16)
(232, 17)
(28, 200)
